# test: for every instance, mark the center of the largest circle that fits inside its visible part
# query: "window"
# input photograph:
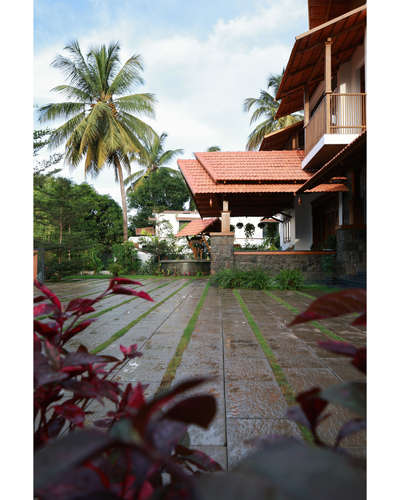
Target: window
(286, 230)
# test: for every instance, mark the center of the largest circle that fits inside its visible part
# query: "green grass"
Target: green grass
(126, 328)
(280, 377)
(176, 360)
(317, 324)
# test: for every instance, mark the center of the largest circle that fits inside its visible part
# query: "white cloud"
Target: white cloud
(200, 84)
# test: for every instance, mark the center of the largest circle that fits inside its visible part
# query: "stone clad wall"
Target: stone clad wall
(221, 251)
(351, 251)
(315, 267)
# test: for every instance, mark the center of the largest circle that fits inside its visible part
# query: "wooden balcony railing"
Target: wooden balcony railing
(336, 114)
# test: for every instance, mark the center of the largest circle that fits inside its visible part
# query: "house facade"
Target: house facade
(311, 176)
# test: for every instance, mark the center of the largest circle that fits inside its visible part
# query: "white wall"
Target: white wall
(240, 237)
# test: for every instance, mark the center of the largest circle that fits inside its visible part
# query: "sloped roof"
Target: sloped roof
(196, 227)
(306, 62)
(200, 182)
(330, 167)
(278, 139)
(253, 166)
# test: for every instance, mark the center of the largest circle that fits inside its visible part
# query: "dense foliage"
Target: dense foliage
(139, 454)
(125, 255)
(103, 125)
(74, 224)
(258, 279)
(162, 189)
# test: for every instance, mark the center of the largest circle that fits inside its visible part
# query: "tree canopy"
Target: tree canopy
(265, 107)
(162, 189)
(102, 125)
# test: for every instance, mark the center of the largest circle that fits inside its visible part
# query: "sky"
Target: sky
(201, 60)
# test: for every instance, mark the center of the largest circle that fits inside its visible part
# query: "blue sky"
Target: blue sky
(202, 59)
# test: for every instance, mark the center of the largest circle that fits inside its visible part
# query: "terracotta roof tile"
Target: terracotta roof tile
(253, 165)
(201, 183)
(196, 227)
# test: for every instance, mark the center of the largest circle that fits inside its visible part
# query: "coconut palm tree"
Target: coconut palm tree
(102, 127)
(151, 157)
(266, 107)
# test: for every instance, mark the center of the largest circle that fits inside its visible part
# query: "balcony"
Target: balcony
(338, 120)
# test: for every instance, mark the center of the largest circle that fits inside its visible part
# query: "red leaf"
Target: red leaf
(198, 458)
(338, 347)
(156, 403)
(49, 293)
(43, 309)
(128, 291)
(334, 304)
(124, 281)
(361, 320)
(39, 298)
(46, 329)
(71, 412)
(78, 328)
(360, 359)
(198, 410)
(130, 352)
(312, 405)
(80, 304)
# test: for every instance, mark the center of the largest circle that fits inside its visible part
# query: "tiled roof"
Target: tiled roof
(253, 165)
(201, 183)
(327, 170)
(196, 227)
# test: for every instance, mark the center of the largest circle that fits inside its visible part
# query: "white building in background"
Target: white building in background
(170, 222)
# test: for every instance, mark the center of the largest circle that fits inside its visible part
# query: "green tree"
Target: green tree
(162, 189)
(152, 156)
(265, 107)
(213, 148)
(102, 126)
(41, 140)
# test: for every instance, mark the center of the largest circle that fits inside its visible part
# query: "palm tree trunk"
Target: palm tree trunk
(123, 196)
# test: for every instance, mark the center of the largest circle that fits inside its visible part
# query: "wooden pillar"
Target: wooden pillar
(225, 218)
(306, 105)
(328, 82)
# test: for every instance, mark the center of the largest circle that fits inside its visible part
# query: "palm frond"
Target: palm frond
(168, 156)
(137, 103)
(135, 176)
(60, 110)
(59, 135)
(73, 92)
(128, 76)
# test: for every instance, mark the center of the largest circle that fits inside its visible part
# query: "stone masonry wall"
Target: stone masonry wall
(351, 252)
(221, 251)
(315, 267)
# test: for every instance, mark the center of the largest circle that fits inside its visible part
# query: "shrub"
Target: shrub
(140, 439)
(116, 269)
(126, 255)
(249, 230)
(239, 225)
(236, 278)
(290, 279)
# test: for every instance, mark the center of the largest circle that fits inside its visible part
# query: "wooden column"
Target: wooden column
(306, 105)
(328, 82)
(225, 218)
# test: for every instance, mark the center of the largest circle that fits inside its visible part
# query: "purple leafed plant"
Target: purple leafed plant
(134, 443)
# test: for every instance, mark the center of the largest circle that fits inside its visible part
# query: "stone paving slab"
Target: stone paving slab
(294, 357)
(112, 321)
(223, 346)
(242, 430)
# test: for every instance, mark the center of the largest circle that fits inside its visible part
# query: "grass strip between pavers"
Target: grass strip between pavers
(126, 328)
(103, 311)
(279, 375)
(318, 325)
(176, 360)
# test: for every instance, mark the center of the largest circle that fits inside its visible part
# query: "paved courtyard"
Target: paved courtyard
(251, 400)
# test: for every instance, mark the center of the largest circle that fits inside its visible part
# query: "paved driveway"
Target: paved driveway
(240, 338)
